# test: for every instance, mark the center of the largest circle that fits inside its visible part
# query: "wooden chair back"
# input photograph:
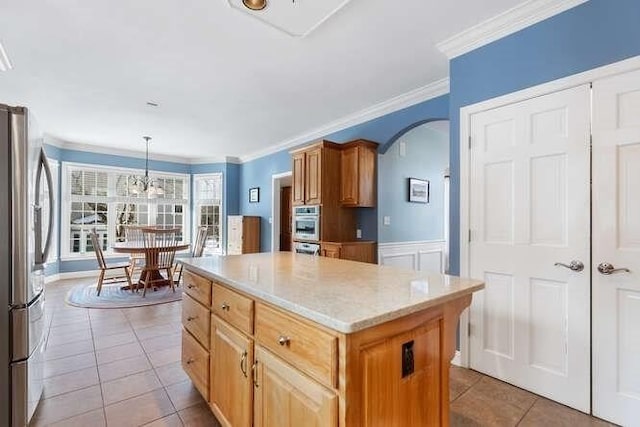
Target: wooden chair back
(133, 233)
(97, 248)
(160, 247)
(200, 242)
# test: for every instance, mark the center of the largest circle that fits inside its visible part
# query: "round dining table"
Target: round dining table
(132, 247)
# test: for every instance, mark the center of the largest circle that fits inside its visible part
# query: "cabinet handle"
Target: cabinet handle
(254, 374)
(190, 318)
(190, 286)
(225, 306)
(284, 340)
(190, 361)
(243, 363)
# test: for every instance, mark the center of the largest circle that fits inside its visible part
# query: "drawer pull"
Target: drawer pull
(243, 363)
(254, 374)
(190, 361)
(190, 286)
(225, 306)
(284, 340)
(190, 318)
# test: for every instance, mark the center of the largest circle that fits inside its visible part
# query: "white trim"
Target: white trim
(195, 208)
(99, 149)
(275, 207)
(421, 94)
(71, 275)
(414, 251)
(466, 112)
(508, 22)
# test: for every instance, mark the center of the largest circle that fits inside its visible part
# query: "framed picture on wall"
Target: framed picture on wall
(254, 195)
(418, 190)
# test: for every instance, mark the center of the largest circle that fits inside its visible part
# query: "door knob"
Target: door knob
(607, 268)
(573, 265)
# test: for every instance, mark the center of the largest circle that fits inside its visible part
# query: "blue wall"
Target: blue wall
(384, 130)
(426, 157)
(594, 34)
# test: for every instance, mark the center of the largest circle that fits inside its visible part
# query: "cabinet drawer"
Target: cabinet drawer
(195, 362)
(234, 308)
(309, 349)
(197, 287)
(195, 319)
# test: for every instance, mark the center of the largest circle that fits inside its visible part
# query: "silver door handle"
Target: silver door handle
(607, 268)
(573, 265)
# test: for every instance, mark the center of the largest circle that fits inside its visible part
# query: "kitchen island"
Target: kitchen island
(284, 339)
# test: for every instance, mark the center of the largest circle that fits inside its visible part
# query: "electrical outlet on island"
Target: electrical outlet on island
(358, 234)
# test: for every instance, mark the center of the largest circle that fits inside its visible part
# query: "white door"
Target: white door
(616, 241)
(529, 209)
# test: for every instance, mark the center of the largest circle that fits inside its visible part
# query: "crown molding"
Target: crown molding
(509, 22)
(407, 99)
(89, 148)
(207, 160)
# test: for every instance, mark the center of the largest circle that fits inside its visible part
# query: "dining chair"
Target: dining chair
(159, 251)
(97, 248)
(133, 233)
(197, 249)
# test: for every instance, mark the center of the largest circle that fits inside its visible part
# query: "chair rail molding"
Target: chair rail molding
(427, 255)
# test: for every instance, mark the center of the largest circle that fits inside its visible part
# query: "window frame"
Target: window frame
(197, 204)
(112, 200)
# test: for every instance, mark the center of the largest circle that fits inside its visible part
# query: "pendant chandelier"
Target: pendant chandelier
(143, 185)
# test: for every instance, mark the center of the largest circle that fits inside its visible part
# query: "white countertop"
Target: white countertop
(345, 296)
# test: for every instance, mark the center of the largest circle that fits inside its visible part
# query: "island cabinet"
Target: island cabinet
(270, 361)
(358, 169)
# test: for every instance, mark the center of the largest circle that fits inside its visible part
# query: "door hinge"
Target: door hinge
(469, 330)
(469, 235)
(469, 142)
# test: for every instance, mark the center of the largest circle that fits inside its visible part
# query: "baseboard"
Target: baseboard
(456, 359)
(71, 275)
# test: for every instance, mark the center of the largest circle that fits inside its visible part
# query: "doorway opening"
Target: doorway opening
(281, 212)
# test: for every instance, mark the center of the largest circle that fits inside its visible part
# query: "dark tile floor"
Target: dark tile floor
(479, 400)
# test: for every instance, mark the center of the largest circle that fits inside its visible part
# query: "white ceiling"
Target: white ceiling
(227, 84)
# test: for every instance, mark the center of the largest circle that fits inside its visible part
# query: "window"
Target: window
(101, 198)
(208, 209)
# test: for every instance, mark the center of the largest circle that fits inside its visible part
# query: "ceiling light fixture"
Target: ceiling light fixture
(144, 184)
(5, 64)
(255, 4)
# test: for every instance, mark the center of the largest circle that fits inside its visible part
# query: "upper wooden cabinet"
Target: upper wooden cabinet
(358, 173)
(316, 174)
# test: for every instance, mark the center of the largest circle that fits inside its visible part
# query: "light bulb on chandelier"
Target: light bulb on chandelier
(144, 184)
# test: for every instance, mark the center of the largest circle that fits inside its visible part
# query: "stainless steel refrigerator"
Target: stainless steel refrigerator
(24, 244)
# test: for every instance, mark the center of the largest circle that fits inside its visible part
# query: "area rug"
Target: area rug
(112, 296)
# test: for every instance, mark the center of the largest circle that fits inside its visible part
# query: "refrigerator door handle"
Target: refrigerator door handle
(43, 253)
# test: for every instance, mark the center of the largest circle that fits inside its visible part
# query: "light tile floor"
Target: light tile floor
(121, 367)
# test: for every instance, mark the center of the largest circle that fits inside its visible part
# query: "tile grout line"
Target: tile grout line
(527, 411)
(95, 354)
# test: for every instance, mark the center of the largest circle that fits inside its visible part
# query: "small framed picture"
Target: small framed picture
(418, 190)
(254, 195)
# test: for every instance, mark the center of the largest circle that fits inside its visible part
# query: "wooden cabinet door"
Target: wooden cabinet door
(393, 396)
(313, 176)
(330, 251)
(350, 176)
(288, 398)
(298, 179)
(231, 391)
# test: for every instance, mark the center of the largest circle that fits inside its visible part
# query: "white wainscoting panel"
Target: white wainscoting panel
(421, 256)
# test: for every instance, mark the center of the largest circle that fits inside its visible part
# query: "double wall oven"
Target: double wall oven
(306, 227)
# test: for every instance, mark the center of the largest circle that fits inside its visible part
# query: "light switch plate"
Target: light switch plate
(270, 220)
(386, 220)
(402, 148)
(358, 234)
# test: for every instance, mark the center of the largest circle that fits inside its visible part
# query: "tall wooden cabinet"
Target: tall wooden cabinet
(316, 181)
(243, 234)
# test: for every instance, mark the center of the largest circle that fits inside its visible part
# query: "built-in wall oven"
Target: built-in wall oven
(307, 248)
(306, 223)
